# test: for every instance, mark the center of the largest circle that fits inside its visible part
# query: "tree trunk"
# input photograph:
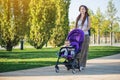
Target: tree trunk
(98, 36)
(46, 45)
(93, 38)
(9, 47)
(105, 37)
(110, 38)
(21, 44)
(111, 35)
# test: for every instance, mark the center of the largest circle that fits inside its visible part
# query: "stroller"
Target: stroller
(75, 38)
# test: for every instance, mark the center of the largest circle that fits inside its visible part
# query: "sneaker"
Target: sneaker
(81, 68)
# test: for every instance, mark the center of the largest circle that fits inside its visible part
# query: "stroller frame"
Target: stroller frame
(70, 63)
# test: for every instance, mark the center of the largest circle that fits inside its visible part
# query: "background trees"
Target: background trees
(99, 22)
(103, 25)
(40, 20)
(46, 22)
(111, 15)
(62, 23)
(12, 22)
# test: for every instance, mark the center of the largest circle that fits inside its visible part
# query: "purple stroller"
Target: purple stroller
(75, 38)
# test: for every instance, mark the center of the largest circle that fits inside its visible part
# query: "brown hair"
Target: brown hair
(86, 15)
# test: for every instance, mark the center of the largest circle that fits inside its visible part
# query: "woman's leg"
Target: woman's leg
(84, 51)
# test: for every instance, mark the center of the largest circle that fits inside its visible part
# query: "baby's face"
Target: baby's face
(67, 43)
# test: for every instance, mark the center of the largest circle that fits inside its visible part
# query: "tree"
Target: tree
(116, 30)
(96, 25)
(100, 19)
(105, 29)
(24, 6)
(93, 25)
(41, 21)
(8, 28)
(62, 23)
(11, 23)
(111, 12)
(72, 25)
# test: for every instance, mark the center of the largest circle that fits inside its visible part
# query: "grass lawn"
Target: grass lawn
(32, 58)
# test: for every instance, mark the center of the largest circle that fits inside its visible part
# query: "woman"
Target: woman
(83, 23)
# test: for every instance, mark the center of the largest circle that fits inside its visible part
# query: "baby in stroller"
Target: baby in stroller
(70, 50)
(67, 50)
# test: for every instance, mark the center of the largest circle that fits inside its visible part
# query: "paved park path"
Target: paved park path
(105, 68)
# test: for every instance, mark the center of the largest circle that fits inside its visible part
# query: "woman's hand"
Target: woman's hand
(85, 30)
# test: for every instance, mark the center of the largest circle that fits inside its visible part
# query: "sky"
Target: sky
(91, 4)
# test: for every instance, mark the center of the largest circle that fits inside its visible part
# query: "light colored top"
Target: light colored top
(85, 25)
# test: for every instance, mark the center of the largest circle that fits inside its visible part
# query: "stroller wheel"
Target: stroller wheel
(73, 71)
(56, 69)
(68, 69)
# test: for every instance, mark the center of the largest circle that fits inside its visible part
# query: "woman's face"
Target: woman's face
(82, 10)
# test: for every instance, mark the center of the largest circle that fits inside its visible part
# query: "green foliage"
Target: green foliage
(42, 21)
(11, 22)
(9, 37)
(111, 12)
(116, 31)
(62, 23)
(34, 18)
(104, 25)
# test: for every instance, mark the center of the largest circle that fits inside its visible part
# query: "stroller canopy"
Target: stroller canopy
(76, 38)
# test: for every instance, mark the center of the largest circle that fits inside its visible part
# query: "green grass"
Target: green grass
(32, 58)
(100, 51)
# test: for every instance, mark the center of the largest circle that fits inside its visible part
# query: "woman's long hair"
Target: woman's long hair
(86, 15)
